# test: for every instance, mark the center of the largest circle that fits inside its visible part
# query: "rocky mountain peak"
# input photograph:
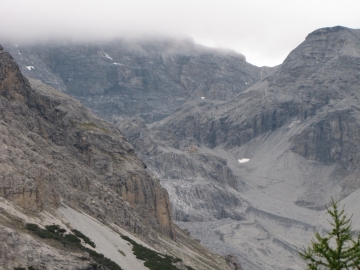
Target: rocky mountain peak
(148, 78)
(62, 167)
(322, 51)
(328, 30)
(291, 141)
(75, 158)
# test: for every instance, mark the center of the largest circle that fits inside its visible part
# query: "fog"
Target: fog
(264, 31)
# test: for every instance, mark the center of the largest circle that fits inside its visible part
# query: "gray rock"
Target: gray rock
(233, 261)
(299, 126)
(200, 184)
(146, 78)
(19, 250)
(55, 149)
(317, 84)
(55, 152)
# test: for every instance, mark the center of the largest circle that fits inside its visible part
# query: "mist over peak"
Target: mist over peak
(264, 32)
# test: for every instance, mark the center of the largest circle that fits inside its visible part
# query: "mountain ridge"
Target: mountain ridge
(61, 165)
(252, 172)
(297, 129)
(134, 77)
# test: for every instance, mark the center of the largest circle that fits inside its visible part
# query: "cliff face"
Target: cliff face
(290, 141)
(317, 85)
(147, 78)
(54, 149)
(201, 185)
(249, 175)
(59, 164)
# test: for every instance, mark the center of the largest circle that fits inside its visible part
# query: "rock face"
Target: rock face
(291, 141)
(147, 78)
(55, 154)
(18, 250)
(233, 262)
(53, 149)
(201, 185)
(249, 175)
(317, 86)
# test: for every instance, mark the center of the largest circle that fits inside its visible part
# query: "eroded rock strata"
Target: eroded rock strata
(150, 78)
(55, 154)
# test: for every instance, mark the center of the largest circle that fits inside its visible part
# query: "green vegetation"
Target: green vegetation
(48, 233)
(122, 252)
(72, 240)
(153, 260)
(55, 229)
(32, 227)
(84, 237)
(339, 249)
(101, 259)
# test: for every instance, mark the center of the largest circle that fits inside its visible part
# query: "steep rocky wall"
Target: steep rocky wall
(201, 185)
(314, 95)
(322, 72)
(328, 140)
(54, 149)
(147, 78)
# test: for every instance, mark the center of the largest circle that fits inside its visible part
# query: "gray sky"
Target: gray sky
(264, 31)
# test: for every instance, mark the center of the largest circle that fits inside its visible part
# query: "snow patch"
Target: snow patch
(30, 67)
(202, 97)
(243, 160)
(107, 56)
(116, 64)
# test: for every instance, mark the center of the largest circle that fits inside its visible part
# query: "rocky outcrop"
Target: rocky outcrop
(149, 78)
(290, 140)
(54, 149)
(300, 88)
(233, 261)
(256, 170)
(317, 84)
(57, 157)
(200, 184)
(19, 250)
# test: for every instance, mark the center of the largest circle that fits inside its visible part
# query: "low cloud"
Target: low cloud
(264, 31)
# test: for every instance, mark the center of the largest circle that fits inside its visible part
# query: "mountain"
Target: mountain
(248, 169)
(283, 147)
(315, 92)
(150, 78)
(62, 166)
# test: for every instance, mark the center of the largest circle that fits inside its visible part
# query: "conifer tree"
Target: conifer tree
(338, 249)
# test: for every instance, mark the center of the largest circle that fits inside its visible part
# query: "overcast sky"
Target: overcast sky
(264, 31)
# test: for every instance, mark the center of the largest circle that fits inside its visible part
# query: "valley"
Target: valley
(249, 156)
